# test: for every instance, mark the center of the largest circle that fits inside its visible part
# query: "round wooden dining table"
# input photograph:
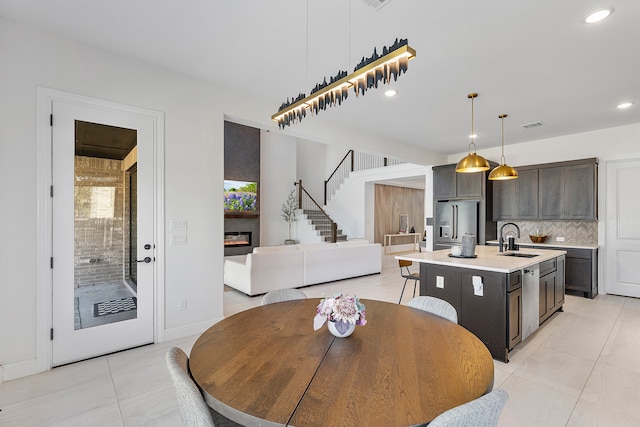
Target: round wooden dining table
(268, 367)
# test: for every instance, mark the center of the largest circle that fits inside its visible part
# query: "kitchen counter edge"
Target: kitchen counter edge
(488, 259)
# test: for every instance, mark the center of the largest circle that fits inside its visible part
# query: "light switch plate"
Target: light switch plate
(178, 239)
(559, 239)
(178, 225)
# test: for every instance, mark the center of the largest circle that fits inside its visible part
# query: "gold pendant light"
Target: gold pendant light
(503, 171)
(472, 162)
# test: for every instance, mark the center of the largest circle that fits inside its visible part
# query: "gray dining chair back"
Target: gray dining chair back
(194, 411)
(282, 295)
(436, 306)
(408, 275)
(483, 412)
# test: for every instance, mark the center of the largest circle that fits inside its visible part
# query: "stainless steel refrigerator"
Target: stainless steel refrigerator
(453, 220)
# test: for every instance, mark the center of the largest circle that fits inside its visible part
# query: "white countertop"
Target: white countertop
(488, 258)
(551, 244)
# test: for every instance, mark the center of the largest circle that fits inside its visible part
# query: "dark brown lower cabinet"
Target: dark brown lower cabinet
(494, 315)
(552, 275)
(582, 271)
(515, 317)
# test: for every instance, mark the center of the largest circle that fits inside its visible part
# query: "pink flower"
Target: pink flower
(340, 308)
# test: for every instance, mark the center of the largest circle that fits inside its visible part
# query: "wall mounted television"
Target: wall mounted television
(240, 198)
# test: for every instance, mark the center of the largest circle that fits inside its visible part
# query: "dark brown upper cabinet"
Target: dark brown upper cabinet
(552, 191)
(448, 184)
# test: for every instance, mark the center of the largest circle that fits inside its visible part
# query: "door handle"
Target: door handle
(455, 222)
(146, 260)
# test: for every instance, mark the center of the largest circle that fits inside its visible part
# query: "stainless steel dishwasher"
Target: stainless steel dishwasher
(530, 300)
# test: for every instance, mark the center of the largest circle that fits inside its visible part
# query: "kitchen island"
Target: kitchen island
(501, 297)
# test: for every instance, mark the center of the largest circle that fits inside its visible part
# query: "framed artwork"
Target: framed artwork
(404, 223)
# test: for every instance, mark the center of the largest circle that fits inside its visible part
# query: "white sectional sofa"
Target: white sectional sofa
(293, 266)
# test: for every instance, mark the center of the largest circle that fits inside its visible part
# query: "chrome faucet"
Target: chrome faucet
(501, 241)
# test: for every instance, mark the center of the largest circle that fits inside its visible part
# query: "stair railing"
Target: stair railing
(351, 162)
(337, 177)
(306, 202)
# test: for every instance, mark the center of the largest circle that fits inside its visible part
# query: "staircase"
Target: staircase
(351, 162)
(323, 224)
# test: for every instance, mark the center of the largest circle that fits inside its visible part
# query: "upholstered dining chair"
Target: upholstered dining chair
(408, 275)
(483, 412)
(436, 306)
(282, 295)
(194, 411)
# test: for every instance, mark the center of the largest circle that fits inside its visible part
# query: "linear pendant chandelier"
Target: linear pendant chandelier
(367, 74)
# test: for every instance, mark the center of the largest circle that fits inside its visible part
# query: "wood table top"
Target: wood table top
(267, 366)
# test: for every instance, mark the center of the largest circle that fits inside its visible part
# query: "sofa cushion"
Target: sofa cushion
(342, 262)
(313, 246)
(270, 249)
(264, 272)
(353, 242)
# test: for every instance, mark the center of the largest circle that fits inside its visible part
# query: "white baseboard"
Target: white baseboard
(189, 330)
(24, 368)
(16, 370)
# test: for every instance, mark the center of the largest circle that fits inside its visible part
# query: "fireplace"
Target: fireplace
(237, 239)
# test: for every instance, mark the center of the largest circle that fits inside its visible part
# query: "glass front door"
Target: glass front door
(103, 256)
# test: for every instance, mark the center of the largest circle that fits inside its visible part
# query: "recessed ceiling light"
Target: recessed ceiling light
(391, 92)
(625, 105)
(597, 16)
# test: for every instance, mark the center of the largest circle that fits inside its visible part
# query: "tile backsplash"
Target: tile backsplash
(574, 232)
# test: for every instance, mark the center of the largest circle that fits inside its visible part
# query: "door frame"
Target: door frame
(44, 227)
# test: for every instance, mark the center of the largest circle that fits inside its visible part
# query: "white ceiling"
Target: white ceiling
(534, 60)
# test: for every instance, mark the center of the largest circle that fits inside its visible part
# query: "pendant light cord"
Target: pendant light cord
(502, 156)
(307, 41)
(502, 161)
(349, 50)
(472, 136)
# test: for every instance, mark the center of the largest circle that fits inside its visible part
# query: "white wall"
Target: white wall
(311, 167)
(277, 175)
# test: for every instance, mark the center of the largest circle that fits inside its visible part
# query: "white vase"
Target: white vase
(332, 328)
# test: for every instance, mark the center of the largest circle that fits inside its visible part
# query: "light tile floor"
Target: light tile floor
(581, 368)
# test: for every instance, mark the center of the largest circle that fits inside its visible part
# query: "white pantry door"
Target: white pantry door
(622, 213)
(83, 332)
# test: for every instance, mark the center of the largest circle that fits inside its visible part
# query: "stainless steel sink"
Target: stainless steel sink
(519, 254)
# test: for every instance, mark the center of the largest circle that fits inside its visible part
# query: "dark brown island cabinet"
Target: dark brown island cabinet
(499, 315)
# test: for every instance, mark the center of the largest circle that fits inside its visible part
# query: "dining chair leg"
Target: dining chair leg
(415, 283)
(401, 293)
